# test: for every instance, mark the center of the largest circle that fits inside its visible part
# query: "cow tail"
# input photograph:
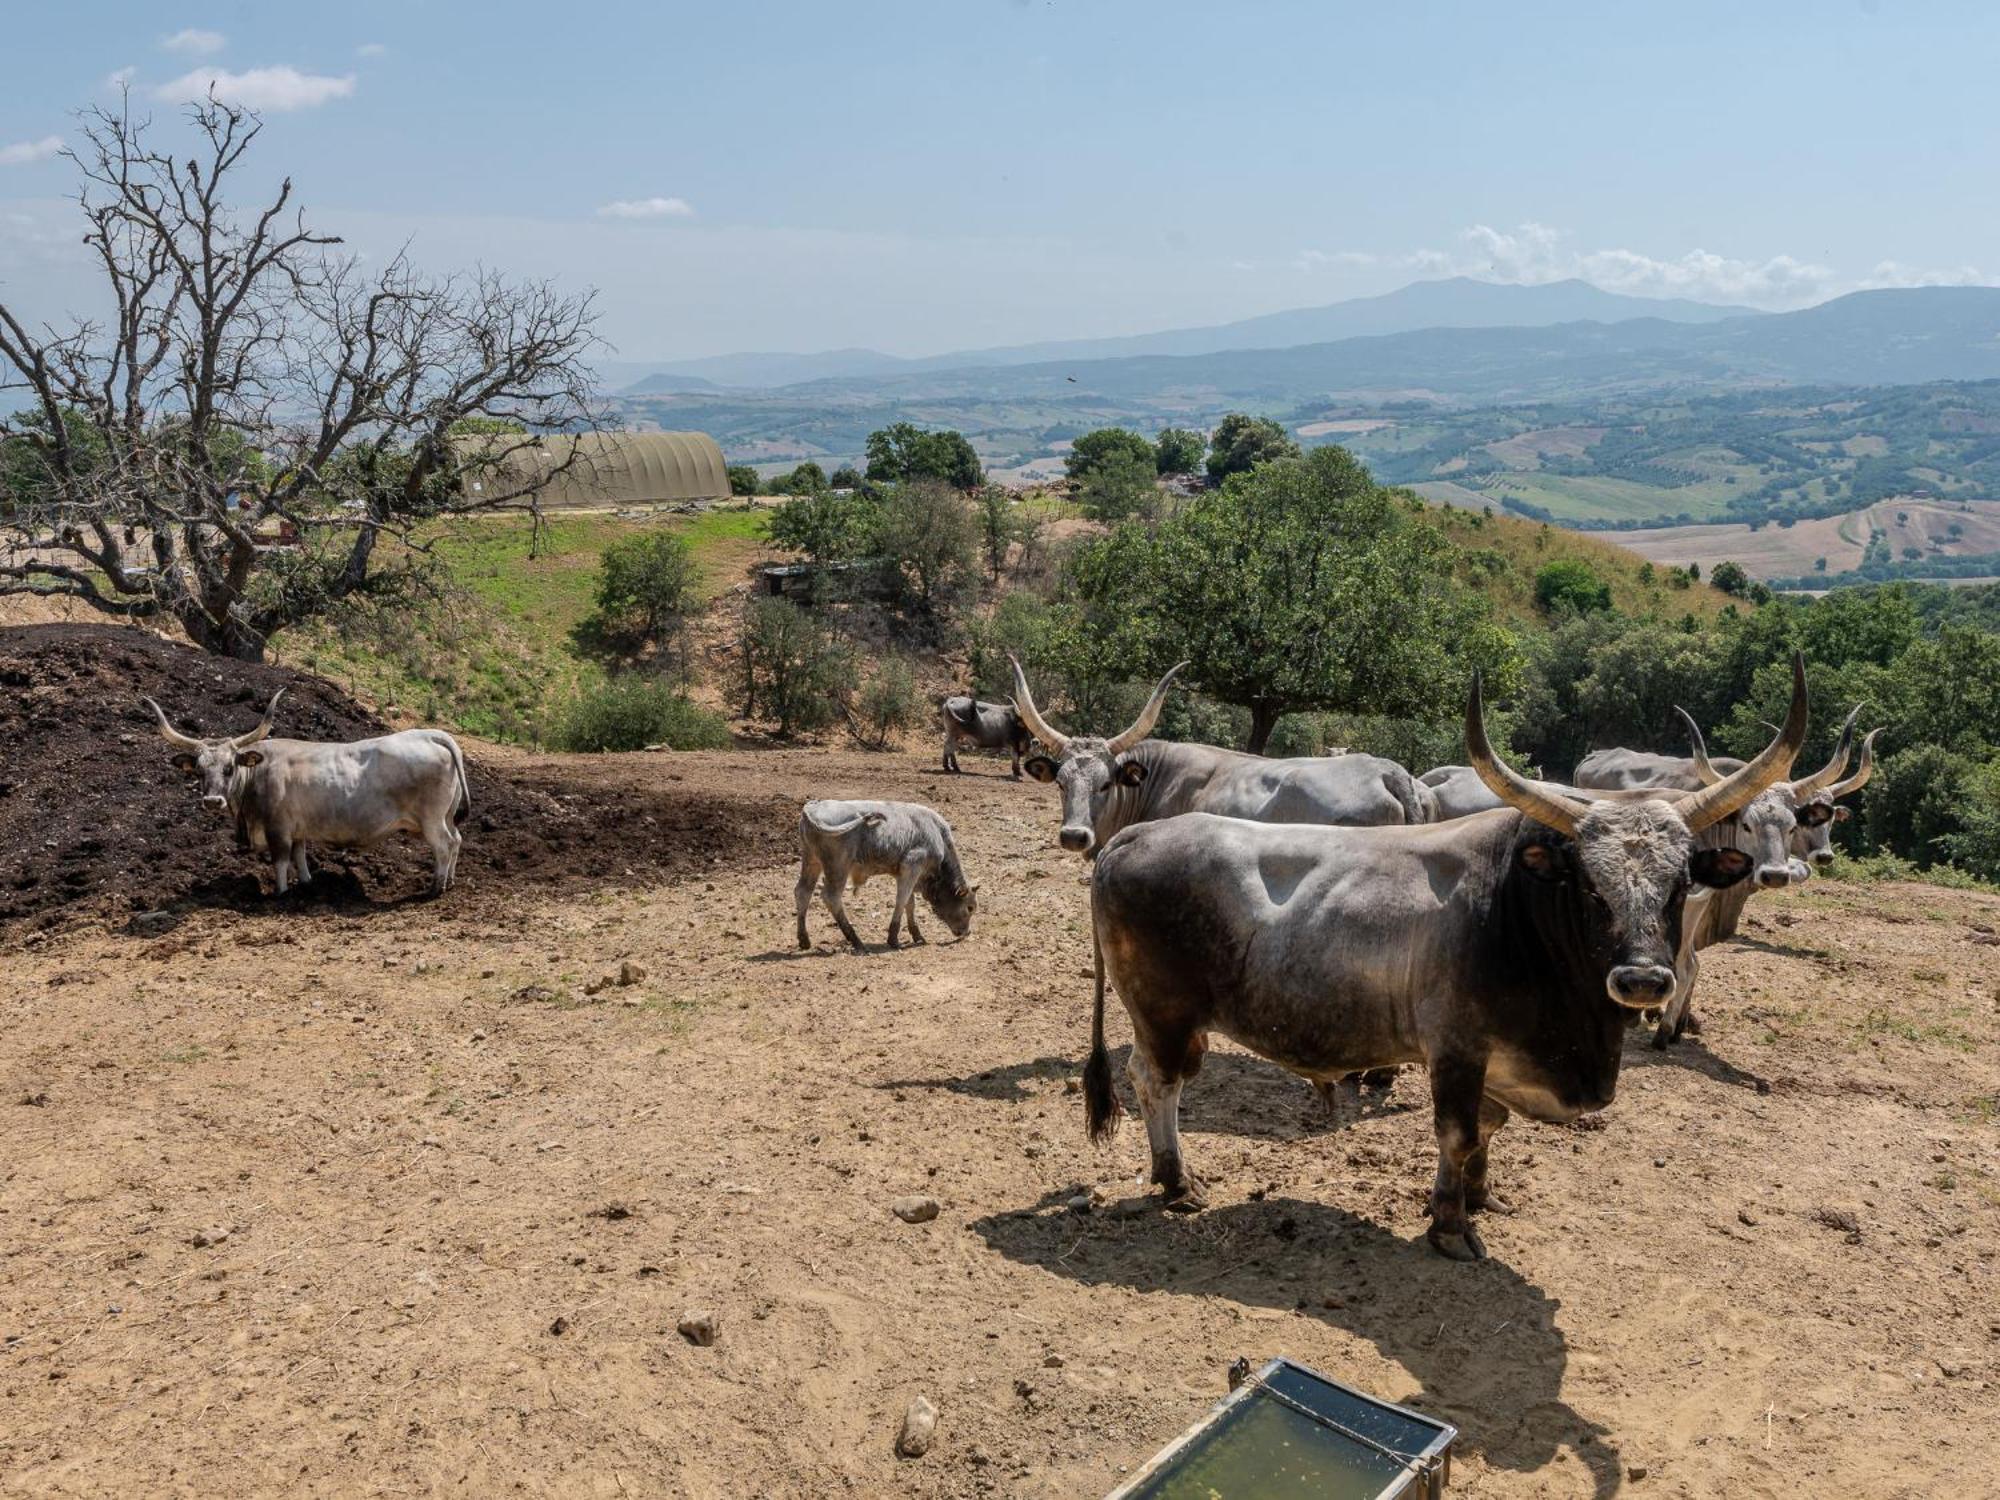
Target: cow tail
(464, 808)
(1100, 1101)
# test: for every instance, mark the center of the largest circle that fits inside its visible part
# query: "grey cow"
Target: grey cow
(1111, 784)
(285, 795)
(1505, 950)
(986, 726)
(850, 841)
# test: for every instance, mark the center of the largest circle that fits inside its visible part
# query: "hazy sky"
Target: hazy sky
(941, 174)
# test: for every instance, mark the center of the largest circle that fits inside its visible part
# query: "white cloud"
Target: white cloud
(119, 79)
(1530, 254)
(647, 208)
(370, 49)
(23, 152)
(194, 42)
(275, 89)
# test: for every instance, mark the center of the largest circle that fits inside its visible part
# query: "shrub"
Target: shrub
(1179, 450)
(796, 670)
(887, 705)
(742, 480)
(1242, 442)
(1917, 803)
(647, 586)
(825, 527)
(928, 533)
(630, 713)
(1094, 449)
(1118, 485)
(1570, 585)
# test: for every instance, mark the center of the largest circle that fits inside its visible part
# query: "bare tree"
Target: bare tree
(245, 378)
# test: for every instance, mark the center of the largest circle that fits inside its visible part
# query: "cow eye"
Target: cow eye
(1815, 815)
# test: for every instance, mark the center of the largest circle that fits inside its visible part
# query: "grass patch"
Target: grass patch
(678, 1016)
(1878, 1022)
(185, 1055)
(630, 713)
(1869, 868)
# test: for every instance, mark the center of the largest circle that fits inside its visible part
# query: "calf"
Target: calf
(986, 726)
(285, 795)
(843, 841)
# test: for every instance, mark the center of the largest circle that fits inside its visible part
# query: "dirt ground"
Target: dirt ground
(388, 1197)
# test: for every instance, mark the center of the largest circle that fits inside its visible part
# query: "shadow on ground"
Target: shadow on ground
(1480, 1339)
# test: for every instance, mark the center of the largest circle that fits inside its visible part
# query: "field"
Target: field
(1934, 528)
(367, 1193)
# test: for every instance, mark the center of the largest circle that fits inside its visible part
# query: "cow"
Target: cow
(285, 795)
(1457, 792)
(844, 841)
(1814, 800)
(987, 726)
(1506, 950)
(1109, 784)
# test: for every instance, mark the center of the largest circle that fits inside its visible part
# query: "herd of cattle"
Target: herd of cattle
(1333, 914)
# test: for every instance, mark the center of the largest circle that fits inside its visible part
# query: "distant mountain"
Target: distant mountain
(1456, 302)
(1866, 338)
(663, 384)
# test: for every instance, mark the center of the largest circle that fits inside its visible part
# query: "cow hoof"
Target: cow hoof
(1192, 1198)
(1662, 1034)
(1691, 1024)
(1464, 1245)
(805, 942)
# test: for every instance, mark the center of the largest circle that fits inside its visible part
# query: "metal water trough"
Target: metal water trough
(1289, 1433)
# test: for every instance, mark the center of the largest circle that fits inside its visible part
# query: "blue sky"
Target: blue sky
(919, 177)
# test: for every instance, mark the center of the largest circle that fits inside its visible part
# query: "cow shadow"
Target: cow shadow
(1780, 950)
(1481, 1340)
(334, 890)
(1234, 1094)
(1693, 1054)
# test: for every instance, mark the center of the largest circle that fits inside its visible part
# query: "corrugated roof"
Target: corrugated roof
(627, 468)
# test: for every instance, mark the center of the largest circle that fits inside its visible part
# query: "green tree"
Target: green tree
(807, 479)
(846, 477)
(743, 480)
(1572, 585)
(1180, 451)
(1117, 486)
(904, 451)
(1094, 449)
(647, 587)
(1000, 526)
(1242, 442)
(1730, 578)
(927, 532)
(1301, 586)
(796, 670)
(826, 528)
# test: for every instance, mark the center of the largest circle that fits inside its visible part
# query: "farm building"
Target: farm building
(617, 469)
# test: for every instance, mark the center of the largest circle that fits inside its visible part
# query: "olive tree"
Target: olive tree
(248, 384)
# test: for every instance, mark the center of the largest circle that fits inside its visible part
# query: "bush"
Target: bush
(1179, 450)
(807, 479)
(630, 713)
(1730, 578)
(1570, 585)
(1242, 442)
(1917, 802)
(825, 527)
(1118, 485)
(928, 534)
(796, 670)
(887, 705)
(647, 586)
(743, 480)
(903, 451)
(1094, 449)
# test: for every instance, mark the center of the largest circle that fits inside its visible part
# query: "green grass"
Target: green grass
(1871, 868)
(1590, 497)
(493, 657)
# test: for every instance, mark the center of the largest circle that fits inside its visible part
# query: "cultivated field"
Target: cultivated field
(1790, 551)
(385, 1196)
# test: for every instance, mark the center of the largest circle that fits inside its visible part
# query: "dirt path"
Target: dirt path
(466, 1203)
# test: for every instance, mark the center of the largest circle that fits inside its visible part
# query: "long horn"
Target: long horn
(1024, 704)
(1712, 804)
(1828, 774)
(1148, 716)
(1698, 748)
(244, 741)
(1509, 785)
(1859, 779)
(167, 731)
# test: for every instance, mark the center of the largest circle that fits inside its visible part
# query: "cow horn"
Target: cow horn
(1828, 774)
(1698, 748)
(1509, 785)
(1859, 779)
(1148, 716)
(244, 741)
(1712, 804)
(1024, 705)
(167, 731)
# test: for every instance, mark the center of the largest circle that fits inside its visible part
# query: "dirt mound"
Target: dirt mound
(95, 821)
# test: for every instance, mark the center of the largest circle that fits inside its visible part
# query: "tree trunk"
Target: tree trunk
(1263, 719)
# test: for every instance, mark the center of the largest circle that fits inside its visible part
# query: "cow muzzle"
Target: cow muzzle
(1821, 858)
(214, 803)
(1076, 840)
(1640, 986)
(1774, 877)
